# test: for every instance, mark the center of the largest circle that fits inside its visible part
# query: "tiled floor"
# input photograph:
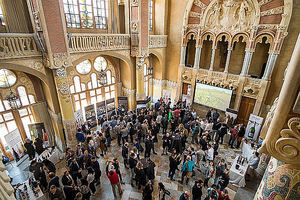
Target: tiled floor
(18, 173)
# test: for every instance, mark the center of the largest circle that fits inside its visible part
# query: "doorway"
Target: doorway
(246, 108)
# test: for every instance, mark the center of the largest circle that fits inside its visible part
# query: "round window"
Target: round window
(84, 67)
(100, 63)
(7, 78)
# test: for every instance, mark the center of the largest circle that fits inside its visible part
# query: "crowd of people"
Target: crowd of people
(190, 142)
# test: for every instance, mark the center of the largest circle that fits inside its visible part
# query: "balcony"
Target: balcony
(15, 45)
(80, 42)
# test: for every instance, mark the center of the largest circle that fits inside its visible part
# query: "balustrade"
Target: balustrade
(14, 45)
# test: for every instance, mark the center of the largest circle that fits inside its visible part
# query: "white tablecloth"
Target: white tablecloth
(31, 195)
(53, 157)
(237, 177)
(247, 151)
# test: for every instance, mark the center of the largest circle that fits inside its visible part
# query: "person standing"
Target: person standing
(147, 192)
(196, 132)
(174, 162)
(96, 167)
(132, 164)
(215, 116)
(116, 165)
(241, 134)
(107, 134)
(140, 176)
(233, 136)
(166, 143)
(197, 190)
(125, 153)
(224, 180)
(208, 114)
(187, 169)
(29, 148)
(222, 132)
(39, 146)
(114, 179)
(148, 146)
(210, 153)
(220, 168)
(207, 172)
(164, 123)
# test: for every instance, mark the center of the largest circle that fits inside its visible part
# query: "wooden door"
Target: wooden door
(185, 88)
(246, 108)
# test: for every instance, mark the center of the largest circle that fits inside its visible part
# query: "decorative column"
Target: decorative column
(7, 191)
(66, 106)
(227, 61)
(270, 66)
(197, 58)
(212, 60)
(246, 63)
(282, 177)
(140, 79)
(182, 56)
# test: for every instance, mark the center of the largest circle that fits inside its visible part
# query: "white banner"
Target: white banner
(79, 117)
(14, 140)
(253, 127)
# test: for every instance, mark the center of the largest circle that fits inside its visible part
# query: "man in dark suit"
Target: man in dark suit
(67, 178)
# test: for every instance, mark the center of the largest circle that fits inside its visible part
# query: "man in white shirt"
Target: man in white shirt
(210, 153)
(253, 164)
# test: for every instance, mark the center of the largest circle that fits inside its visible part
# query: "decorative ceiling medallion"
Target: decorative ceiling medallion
(61, 60)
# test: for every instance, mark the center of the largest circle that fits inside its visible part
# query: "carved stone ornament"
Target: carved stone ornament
(38, 65)
(288, 145)
(61, 72)
(61, 60)
(36, 17)
(64, 89)
(134, 26)
(134, 2)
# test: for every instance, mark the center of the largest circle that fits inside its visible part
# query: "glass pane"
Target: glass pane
(7, 78)
(1, 119)
(72, 89)
(112, 94)
(82, 86)
(99, 98)
(94, 80)
(98, 91)
(106, 89)
(82, 96)
(76, 97)
(89, 85)
(145, 69)
(77, 105)
(92, 93)
(93, 100)
(84, 67)
(31, 99)
(77, 84)
(108, 74)
(100, 63)
(84, 103)
(23, 95)
(23, 112)
(8, 116)
(112, 87)
(3, 131)
(26, 121)
(113, 80)
(11, 126)
(1, 107)
(6, 105)
(107, 95)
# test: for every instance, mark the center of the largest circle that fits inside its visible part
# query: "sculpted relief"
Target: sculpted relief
(230, 15)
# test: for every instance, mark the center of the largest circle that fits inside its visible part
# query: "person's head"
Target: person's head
(132, 155)
(209, 146)
(52, 189)
(78, 146)
(126, 144)
(51, 175)
(226, 171)
(199, 183)
(222, 161)
(86, 152)
(66, 173)
(256, 154)
(93, 159)
(188, 194)
(79, 130)
(78, 196)
(139, 165)
(33, 163)
(27, 140)
(211, 163)
(189, 158)
(115, 160)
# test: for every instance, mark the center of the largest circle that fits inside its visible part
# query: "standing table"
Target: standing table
(237, 176)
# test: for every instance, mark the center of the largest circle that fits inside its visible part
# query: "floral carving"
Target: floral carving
(61, 60)
(64, 89)
(61, 72)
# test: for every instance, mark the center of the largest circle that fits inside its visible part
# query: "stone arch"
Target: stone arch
(237, 37)
(26, 69)
(220, 35)
(188, 36)
(259, 39)
(204, 37)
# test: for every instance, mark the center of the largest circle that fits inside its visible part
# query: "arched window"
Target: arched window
(86, 13)
(86, 90)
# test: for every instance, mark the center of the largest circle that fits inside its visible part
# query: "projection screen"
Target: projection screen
(212, 96)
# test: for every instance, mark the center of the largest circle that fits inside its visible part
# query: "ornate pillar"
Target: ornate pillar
(7, 191)
(227, 61)
(66, 106)
(140, 79)
(182, 56)
(270, 66)
(212, 60)
(282, 177)
(197, 58)
(246, 63)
